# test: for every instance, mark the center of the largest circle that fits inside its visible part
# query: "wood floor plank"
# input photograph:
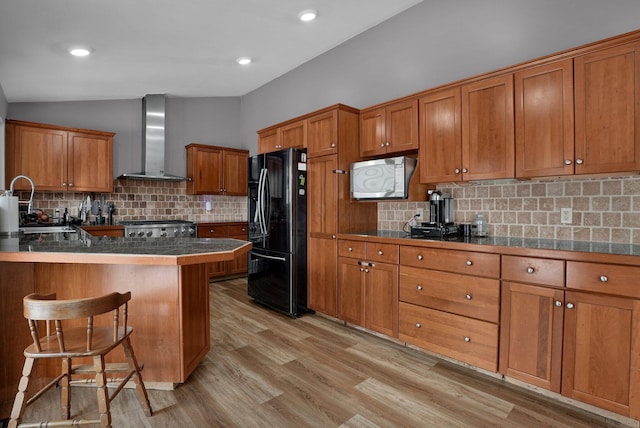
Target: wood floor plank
(268, 370)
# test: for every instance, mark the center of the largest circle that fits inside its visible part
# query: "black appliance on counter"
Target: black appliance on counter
(278, 230)
(440, 224)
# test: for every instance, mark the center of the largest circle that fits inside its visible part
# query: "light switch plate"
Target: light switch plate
(566, 216)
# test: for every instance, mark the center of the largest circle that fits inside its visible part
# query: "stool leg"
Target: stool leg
(141, 391)
(65, 394)
(20, 401)
(103, 393)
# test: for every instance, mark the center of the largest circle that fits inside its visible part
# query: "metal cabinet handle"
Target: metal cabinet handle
(465, 170)
(387, 144)
(558, 303)
(469, 263)
(420, 257)
(579, 161)
(467, 339)
(569, 305)
(70, 184)
(210, 230)
(457, 170)
(380, 252)
(382, 145)
(603, 278)
(349, 249)
(333, 237)
(333, 145)
(468, 296)
(361, 269)
(366, 270)
(568, 161)
(418, 325)
(419, 287)
(530, 270)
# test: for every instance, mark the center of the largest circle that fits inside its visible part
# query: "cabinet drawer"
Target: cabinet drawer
(460, 294)
(237, 229)
(471, 341)
(212, 231)
(533, 270)
(464, 262)
(386, 253)
(352, 249)
(604, 278)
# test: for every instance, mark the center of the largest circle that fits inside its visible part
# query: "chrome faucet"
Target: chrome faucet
(33, 188)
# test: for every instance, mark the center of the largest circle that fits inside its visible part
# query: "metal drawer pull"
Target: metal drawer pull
(420, 257)
(380, 252)
(469, 263)
(418, 325)
(419, 287)
(467, 339)
(603, 278)
(366, 271)
(350, 249)
(569, 305)
(468, 296)
(530, 270)
(558, 303)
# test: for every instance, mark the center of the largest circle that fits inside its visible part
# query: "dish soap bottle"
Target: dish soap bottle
(480, 226)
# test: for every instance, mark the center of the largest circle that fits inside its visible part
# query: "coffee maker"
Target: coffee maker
(441, 217)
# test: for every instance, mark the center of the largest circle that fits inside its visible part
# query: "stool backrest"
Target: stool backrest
(45, 308)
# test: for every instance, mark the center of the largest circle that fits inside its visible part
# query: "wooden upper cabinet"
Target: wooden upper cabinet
(269, 141)
(608, 110)
(544, 120)
(323, 185)
(59, 158)
(322, 134)
(441, 136)
(294, 135)
(488, 129)
(389, 129)
(215, 170)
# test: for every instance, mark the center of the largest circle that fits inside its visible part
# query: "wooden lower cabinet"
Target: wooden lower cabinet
(322, 278)
(466, 339)
(601, 360)
(531, 334)
(235, 230)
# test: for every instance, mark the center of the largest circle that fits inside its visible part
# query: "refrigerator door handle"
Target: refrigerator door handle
(261, 202)
(282, 259)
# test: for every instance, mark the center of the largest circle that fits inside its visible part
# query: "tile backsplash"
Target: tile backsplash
(149, 200)
(603, 209)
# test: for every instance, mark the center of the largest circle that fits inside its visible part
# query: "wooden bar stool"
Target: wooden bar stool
(75, 342)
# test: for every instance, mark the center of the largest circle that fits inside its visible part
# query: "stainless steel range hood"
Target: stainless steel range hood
(153, 140)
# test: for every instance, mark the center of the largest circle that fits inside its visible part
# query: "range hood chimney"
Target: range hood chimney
(153, 139)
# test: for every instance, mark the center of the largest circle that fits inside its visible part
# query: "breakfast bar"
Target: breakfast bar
(168, 280)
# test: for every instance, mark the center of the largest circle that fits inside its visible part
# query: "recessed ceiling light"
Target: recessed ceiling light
(308, 15)
(80, 51)
(244, 60)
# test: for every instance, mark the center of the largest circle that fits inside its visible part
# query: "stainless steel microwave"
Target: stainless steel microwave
(382, 178)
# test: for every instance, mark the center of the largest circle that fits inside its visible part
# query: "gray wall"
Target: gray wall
(433, 43)
(204, 120)
(3, 103)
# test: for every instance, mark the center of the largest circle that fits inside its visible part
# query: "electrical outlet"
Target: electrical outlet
(566, 216)
(419, 214)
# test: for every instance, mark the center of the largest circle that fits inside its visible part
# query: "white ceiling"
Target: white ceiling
(183, 48)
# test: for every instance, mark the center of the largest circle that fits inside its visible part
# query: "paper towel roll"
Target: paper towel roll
(8, 214)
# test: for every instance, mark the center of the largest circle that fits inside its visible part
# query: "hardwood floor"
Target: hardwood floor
(268, 370)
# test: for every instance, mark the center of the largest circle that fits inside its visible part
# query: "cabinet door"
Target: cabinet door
(269, 141)
(372, 133)
(322, 268)
(40, 154)
(531, 334)
(234, 171)
(608, 110)
(205, 172)
(601, 350)
(322, 134)
(488, 129)
(381, 298)
(90, 163)
(401, 126)
(351, 290)
(322, 204)
(194, 307)
(294, 135)
(544, 120)
(441, 137)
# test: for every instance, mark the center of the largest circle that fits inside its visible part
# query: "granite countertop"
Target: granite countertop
(527, 243)
(74, 247)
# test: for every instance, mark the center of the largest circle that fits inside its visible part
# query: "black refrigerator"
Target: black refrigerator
(278, 230)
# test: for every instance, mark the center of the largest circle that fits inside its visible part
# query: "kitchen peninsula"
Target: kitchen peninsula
(169, 308)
